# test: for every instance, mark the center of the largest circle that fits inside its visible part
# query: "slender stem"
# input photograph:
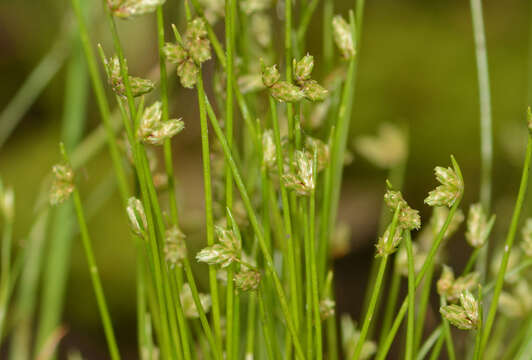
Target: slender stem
(95, 278)
(409, 352)
(391, 304)
(432, 339)
(437, 348)
(478, 336)
(508, 246)
(376, 290)
(209, 220)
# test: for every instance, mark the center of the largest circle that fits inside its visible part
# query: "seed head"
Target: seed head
(303, 68)
(248, 279)
(386, 245)
(188, 304)
(62, 185)
(478, 226)
(526, 244)
(7, 203)
(322, 150)
(138, 86)
(188, 73)
(313, 91)
(452, 288)
(386, 150)
(268, 150)
(226, 252)
(327, 308)
(302, 180)
(130, 8)
(154, 131)
(137, 216)
(175, 53)
(449, 191)
(343, 37)
(270, 75)
(408, 218)
(175, 249)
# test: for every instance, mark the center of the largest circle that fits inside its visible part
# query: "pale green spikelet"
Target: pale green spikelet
(408, 218)
(449, 191)
(452, 287)
(313, 91)
(343, 37)
(154, 131)
(478, 226)
(62, 184)
(136, 216)
(303, 68)
(247, 279)
(387, 149)
(268, 150)
(327, 308)
(130, 8)
(175, 249)
(188, 304)
(386, 245)
(302, 179)
(464, 316)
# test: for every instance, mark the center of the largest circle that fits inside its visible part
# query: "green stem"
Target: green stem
(95, 278)
(432, 339)
(478, 336)
(437, 348)
(508, 246)
(391, 304)
(409, 352)
(376, 290)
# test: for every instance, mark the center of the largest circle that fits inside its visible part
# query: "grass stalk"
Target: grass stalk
(508, 246)
(447, 333)
(409, 352)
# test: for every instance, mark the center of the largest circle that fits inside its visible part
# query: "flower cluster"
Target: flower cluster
(343, 36)
(138, 85)
(190, 53)
(247, 279)
(175, 249)
(464, 316)
(225, 253)
(130, 8)
(136, 216)
(452, 287)
(327, 308)
(302, 179)
(304, 86)
(449, 191)
(62, 185)
(478, 226)
(154, 131)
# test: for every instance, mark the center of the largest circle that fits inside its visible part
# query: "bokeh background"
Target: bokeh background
(417, 67)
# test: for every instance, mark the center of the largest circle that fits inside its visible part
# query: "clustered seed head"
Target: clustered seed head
(136, 216)
(304, 86)
(188, 304)
(464, 316)
(226, 252)
(452, 288)
(449, 191)
(175, 248)
(526, 244)
(386, 150)
(386, 245)
(191, 53)
(478, 226)
(138, 85)
(302, 179)
(247, 279)
(154, 131)
(518, 303)
(62, 185)
(350, 338)
(327, 308)
(343, 37)
(129, 8)
(268, 150)
(408, 218)
(7, 203)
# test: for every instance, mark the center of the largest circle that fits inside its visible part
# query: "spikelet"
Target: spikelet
(136, 216)
(62, 185)
(449, 191)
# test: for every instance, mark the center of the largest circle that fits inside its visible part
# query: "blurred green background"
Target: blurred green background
(417, 67)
